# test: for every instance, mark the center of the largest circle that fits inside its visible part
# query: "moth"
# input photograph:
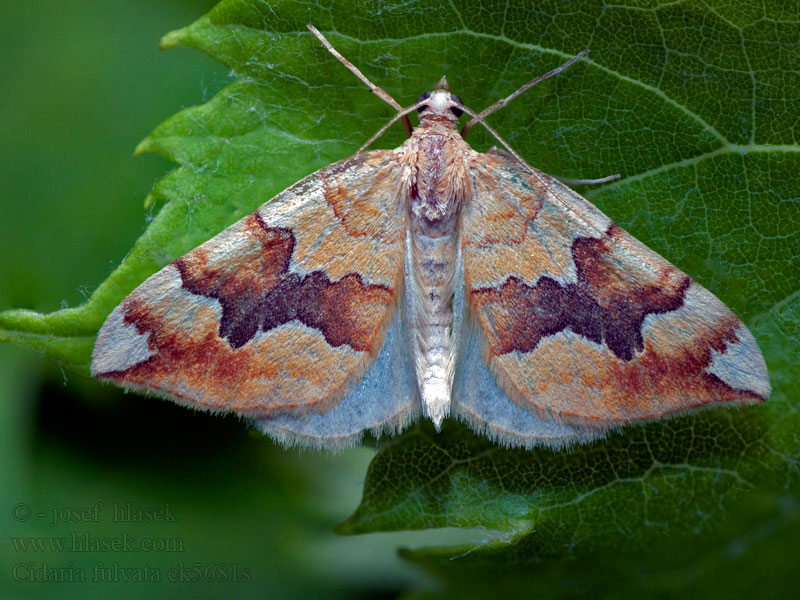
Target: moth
(430, 280)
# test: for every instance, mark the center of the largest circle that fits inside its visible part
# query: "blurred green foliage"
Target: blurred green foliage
(691, 102)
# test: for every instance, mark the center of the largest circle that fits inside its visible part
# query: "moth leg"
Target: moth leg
(569, 181)
(380, 93)
(565, 180)
(501, 103)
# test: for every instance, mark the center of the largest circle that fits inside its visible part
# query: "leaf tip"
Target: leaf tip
(142, 147)
(171, 40)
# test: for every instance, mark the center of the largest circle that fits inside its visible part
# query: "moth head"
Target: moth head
(441, 102)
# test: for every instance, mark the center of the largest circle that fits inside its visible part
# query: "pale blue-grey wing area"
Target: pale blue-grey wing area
(480, 403)
(384, 401)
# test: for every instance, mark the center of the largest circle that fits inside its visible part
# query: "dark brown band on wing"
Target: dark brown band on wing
(601, 306)
(264, 295)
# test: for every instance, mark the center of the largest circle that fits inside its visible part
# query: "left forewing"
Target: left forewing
(280, 314)
(580, 321)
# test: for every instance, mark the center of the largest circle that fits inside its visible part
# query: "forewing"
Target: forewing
(277, 316)
(582, 322)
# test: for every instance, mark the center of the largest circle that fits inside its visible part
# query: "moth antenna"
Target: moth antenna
(479, 119)
(403, 114)
(501, 103)
(380, 93)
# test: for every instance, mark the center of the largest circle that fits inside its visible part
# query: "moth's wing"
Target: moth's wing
(279, 316)
(583, 325)
(480, 402)
(384, 400)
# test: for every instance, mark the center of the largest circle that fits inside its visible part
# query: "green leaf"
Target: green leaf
(693, 103)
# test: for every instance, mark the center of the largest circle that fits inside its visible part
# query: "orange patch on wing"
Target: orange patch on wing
(586, 385)
(604, 305)
(510, 230)
(285, 369)
(502, 206)
(365, 199)
(258, 292)
(260, 259)
(355, 224)
(324, 245)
